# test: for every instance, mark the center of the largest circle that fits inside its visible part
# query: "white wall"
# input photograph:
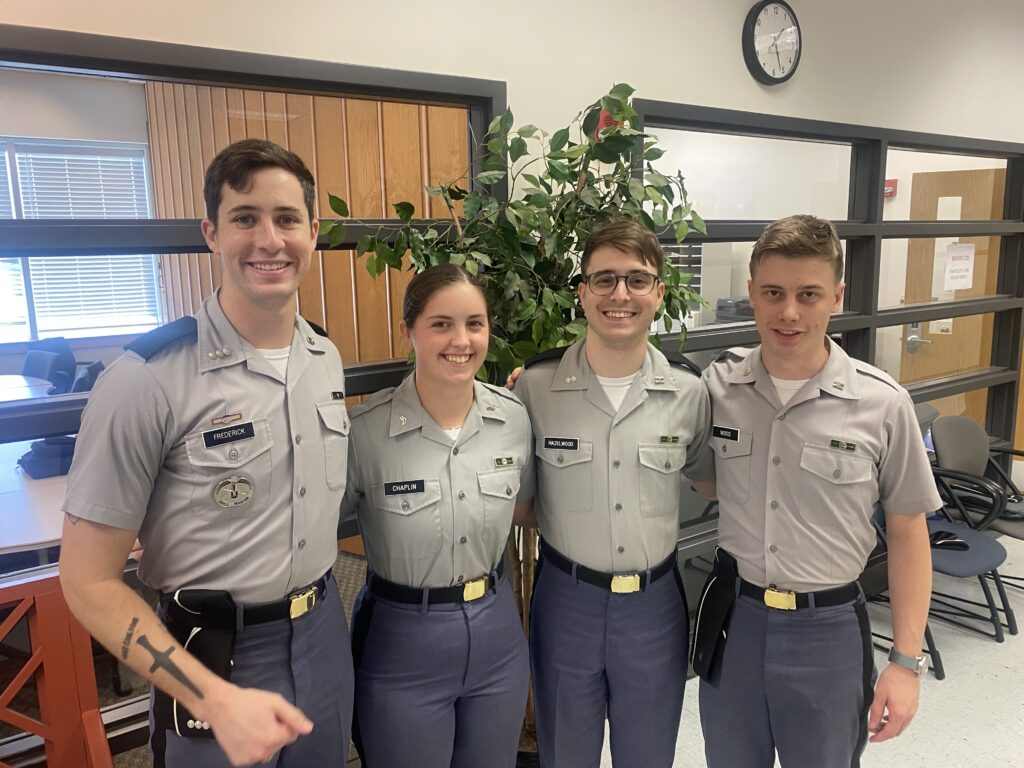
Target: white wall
(930, 65)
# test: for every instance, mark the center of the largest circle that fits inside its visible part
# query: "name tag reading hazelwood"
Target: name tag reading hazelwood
(563, 443)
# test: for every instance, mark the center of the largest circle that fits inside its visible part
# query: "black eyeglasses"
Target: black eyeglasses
(638, 283)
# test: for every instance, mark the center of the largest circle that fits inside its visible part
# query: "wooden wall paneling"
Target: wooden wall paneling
(186, 208)
(174, 204)
(404, 153)
(221, 138)
(236, 115)
(331, 169)
(194, 189)
(448, 152)
(276, 116)
(207, 152)
(156, 176)
(366, 200)
(255, 115)
(302, 141)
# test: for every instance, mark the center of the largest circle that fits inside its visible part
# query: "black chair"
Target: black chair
(42, 364)
(86, 377)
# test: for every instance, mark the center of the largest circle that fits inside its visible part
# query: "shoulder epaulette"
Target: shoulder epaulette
(876, 373)
(552, 354)
(504, 392)
(148, 344)
(317, 329)
(677, 358)
(737, 352)
(378, 398)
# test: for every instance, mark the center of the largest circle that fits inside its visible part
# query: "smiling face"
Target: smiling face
(620, 319)
(450, 336)
(265, 240)
(792, 299)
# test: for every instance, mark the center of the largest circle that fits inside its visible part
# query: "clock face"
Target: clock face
(771, 42)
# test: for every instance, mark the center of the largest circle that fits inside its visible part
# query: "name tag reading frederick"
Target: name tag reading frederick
(230, 434)
(726, 433)
(405, 486)
(562, 443)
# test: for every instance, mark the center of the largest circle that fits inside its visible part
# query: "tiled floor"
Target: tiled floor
(975, 717)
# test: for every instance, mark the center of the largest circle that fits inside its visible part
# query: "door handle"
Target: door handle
(915, 342)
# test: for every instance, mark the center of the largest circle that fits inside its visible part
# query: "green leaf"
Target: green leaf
(577, 328)
(404, 210)
(559, 139)
(371, 265)
(433, 191)
(653, 153)
(458, 259)
(682, 230)
(482, 257)
(524, 349)
(565, 298)
(656, 179)
(531, 179)
(505, 123)
(559, 171)
(591, 120)
(337, 235)
(472, 267)
(621, 91)
(525, 309)
(698, 223)
(591, 197)
(338, 205)
(516, 149)
(456, 192)
(326, 225)
(385, 256)
(495, 125)
(490, 177)
(527, 131)
(667, 322)
(364, 244)
(636, 190)
(471, 205)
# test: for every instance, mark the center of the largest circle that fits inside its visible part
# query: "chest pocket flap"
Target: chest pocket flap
(562, 457)
(334, 416)
(503, 483)
(662, 458)
(836, 467)
(408, 503)
(730, 449)
(230, 454)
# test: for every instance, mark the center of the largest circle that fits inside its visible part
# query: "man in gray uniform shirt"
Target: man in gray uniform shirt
(221, 441)
(615, 425)
(807, 440)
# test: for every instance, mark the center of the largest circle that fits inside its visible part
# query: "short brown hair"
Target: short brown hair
(235, 164)
(628, 236)
(430, 281)
(800, 236)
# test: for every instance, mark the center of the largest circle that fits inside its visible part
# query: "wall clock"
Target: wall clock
(771, 42)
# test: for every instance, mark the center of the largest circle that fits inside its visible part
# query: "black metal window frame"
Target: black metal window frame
(864, 229)
(80, 53)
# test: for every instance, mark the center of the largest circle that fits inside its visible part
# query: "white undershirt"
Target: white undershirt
(615, 389)
(786, 388)
(453, 433)
(277, 358)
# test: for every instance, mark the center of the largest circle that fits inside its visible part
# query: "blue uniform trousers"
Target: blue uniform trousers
(440, 686)
(800, 682)
(309, 662)
(595, 653)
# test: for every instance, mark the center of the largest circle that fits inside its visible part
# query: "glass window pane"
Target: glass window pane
(973, 404)
(931, 270)
(750, 177)
(942, 187)
(13, 308)
(924, 351)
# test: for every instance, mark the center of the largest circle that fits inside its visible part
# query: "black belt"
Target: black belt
(619, 583)
(205, 612)
(786, 600)
(463, 593)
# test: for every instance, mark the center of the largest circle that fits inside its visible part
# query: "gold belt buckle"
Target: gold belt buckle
(625, 584)
(474, 590)
(782, 599)
(302, 603)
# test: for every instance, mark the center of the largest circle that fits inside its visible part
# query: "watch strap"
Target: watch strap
(916, 664)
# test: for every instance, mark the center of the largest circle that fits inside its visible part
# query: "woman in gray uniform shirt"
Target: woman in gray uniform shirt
(436, 468)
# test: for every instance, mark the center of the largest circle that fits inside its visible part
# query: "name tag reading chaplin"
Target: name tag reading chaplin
(230, 434)
(562, 443)
(405, 486)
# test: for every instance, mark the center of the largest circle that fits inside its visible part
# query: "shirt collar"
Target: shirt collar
(838, 377)
(407, 412)
(574, 371)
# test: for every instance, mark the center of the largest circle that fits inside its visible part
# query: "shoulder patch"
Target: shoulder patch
(150, 343)
(876, 373)
(681, 361)
(380, 397)
(318, 330)
(551, 354)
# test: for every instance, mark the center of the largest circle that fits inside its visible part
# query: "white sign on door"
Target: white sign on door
(959, 266)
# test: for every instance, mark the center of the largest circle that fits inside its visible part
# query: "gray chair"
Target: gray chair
(43, 364)
(961, 548)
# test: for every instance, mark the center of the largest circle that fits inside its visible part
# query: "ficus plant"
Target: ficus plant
(526, 249)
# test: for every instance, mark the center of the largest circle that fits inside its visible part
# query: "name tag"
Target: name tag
(337, 395)
(562, 443)
(227, 435)
(405, 486)
(726, 433)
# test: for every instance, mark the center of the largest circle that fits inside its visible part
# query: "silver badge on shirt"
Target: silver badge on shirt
(233, 492)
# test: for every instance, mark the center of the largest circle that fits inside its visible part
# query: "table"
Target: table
(15, 387)
(30, 510)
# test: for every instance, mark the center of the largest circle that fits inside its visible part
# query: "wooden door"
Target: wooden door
(969, 345)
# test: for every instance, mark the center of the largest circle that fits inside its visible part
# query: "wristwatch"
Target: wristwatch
(916, 664)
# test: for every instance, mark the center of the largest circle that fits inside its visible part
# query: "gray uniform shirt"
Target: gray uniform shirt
(436, 512)
(232, 475)
(609, 483)
(797, 485)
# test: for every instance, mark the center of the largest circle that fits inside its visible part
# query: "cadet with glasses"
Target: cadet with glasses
(617, 425)
(807, 441)
(436, 468)
(221, 439)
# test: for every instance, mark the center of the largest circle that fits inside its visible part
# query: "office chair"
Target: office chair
(85, 378)
(972, 504)
(43, 364)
